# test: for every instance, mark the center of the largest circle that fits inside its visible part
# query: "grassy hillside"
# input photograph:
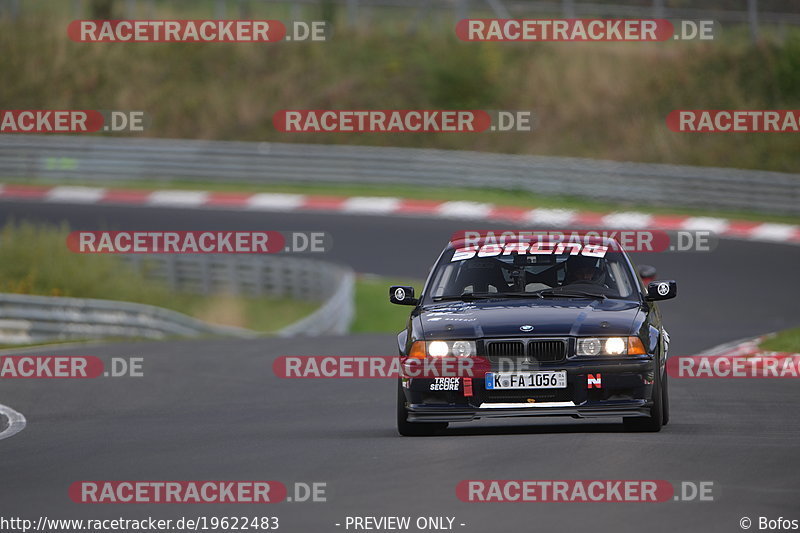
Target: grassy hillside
(604, 100)
(35, 260)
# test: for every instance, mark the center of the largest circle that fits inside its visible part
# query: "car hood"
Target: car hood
(549, 317)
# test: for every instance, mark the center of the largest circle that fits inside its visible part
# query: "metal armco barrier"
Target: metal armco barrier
(26, 319)
(259, 275)
(108, 159)
(334, 316)
(246, 274)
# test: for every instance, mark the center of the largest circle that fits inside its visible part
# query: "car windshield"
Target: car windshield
(465, 273)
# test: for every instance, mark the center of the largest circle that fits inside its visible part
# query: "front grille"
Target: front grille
(496, 349)
(547, 351)
(526, 351)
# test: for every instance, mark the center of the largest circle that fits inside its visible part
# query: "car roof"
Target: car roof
(483, 238)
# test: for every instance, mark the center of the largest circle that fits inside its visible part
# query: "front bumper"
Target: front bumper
(616, 408)
(624, 389)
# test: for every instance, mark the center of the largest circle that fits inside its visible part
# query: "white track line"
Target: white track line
(628, 220)
(16, 422)
(77, 195)
(370, 205)
(773, 232)
(461, 209)
(170, 198)
(551, 217)
(275, 201)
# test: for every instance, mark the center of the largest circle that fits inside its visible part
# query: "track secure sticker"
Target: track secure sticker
(445, 384)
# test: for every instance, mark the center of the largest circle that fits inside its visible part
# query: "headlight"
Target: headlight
(589, 346)
(610, 346)
(615, 346)
(463, 348)
(438, 349)
(443, 349)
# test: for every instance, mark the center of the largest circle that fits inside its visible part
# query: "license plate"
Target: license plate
(551, 379)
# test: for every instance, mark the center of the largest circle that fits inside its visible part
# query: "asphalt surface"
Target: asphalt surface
(214, 410)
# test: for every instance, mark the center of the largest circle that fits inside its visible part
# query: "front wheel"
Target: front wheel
(413, 429)
(653, 422)
(665, 401)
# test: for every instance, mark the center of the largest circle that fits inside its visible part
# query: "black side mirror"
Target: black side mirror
(402, 295)
(662, 290)
(647, 273)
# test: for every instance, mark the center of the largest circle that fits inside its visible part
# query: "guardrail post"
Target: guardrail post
(220, 9)
(207, 271)
(236, 283)
(272, 274)
(244, 9)
(419, 15)
(259, 286)
(462, 9)
(658, 9)
(130, 9)
(352, 13)
(170, 262)
(11, 7)
(752, 18)
(568, 8)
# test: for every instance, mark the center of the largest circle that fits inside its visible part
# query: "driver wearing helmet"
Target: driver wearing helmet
(582, 269)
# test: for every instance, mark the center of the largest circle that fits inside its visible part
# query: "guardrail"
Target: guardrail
(26, 319)
(334, 316)
(247, 274)
(258, 275)
(107, 159)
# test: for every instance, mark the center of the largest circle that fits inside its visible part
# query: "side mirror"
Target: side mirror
(402, 295)
(647, 273)
(661, 290)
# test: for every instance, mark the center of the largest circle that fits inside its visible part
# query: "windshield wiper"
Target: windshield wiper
(467, 296)
(575, 293)
(519, 294)
(487, 295)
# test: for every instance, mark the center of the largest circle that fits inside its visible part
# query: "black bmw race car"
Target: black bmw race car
(542, 328)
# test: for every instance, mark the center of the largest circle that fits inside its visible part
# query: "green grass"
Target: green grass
(374, 313)
(35, 260)
(599, 100)
(785, 341)
(495, 196)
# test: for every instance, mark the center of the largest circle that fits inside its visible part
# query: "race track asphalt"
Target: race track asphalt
(214, 409)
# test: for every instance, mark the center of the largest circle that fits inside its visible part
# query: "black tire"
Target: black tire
(413, 429)
(665, 401)
(653, 422)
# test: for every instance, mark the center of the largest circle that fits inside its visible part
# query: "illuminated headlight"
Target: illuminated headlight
(454, 348)
(615, 346)
(438, 349)
(610, 346)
